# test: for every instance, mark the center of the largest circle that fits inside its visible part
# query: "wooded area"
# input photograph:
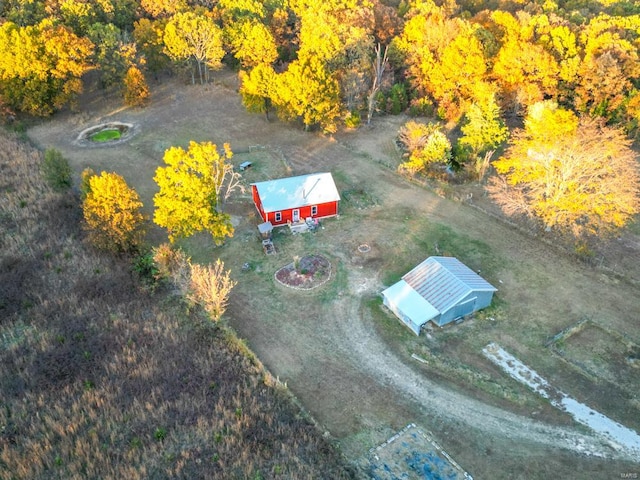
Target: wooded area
(476, 66)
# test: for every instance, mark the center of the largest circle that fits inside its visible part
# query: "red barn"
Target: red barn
(295, 199)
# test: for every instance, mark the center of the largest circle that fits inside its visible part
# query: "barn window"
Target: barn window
(314, 210)
(278, 216)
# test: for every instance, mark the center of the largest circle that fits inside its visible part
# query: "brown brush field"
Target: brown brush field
(100, 378)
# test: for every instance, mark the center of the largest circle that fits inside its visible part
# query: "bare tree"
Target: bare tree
(225, 179)
(379, 67)
(210, 288)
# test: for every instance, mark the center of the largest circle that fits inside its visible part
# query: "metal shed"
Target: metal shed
(440, 290)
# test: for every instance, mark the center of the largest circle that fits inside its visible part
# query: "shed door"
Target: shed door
(465, 308)
(296, 216)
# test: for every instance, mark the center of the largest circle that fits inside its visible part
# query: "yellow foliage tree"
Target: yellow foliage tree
(252, 43)
(575, 176)
(112, 213)
(136, 90)
(445, 59)
(187, 202)
(41, 66)
(189, 36)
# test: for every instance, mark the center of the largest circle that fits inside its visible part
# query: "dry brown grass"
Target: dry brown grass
(100, 379)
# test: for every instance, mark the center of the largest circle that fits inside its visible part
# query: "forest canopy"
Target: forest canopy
(313, 60)
(476, 66)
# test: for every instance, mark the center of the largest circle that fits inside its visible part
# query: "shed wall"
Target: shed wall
(324, 210)
(258, 203)
(482, 300)
(400, 314)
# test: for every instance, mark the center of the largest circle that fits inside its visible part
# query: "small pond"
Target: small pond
(105, 134)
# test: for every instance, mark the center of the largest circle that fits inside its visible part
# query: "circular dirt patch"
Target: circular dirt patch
(106, 134)
(305, 273)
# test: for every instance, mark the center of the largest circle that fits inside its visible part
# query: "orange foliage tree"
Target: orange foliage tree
(136, 90)
(576, 176)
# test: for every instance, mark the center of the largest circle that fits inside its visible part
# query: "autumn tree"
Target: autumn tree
(252, 43)
(210, 288)
(206, 285)
(576, 176)
(256, 87)
(136, 90)
(610, 68)
(425, 145)
(41, 66)
(444, 57)
(188, 201)
(483, 128)
(163, 8)
(524, 70)
(112, 213)
(194, 38)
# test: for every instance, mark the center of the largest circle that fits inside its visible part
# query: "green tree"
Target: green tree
(196, 38)
(148, 35)
(483, 128)
(56, 170)
(187, 202)
(581, 178)
(113, 55)
(112, 212)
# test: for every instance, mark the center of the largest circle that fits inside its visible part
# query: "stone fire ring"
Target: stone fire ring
(364, 248)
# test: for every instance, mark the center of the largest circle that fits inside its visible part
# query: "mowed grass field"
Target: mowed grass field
(307, 340)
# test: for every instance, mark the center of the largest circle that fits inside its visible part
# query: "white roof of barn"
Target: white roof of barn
(409, 302)
(444, 281)
(294, 192)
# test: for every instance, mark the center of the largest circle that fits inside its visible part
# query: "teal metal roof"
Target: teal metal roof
(295, 192)
(444, 281)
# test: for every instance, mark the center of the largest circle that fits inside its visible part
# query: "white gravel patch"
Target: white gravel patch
(617, 435)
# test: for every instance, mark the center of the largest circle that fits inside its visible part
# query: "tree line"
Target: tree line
(315, 61)
(334, 63)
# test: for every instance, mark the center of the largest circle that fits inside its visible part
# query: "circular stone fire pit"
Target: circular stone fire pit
(106, 134)
(364, 248)
(305, 273)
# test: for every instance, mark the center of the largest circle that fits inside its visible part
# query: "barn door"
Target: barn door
(465, 308)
